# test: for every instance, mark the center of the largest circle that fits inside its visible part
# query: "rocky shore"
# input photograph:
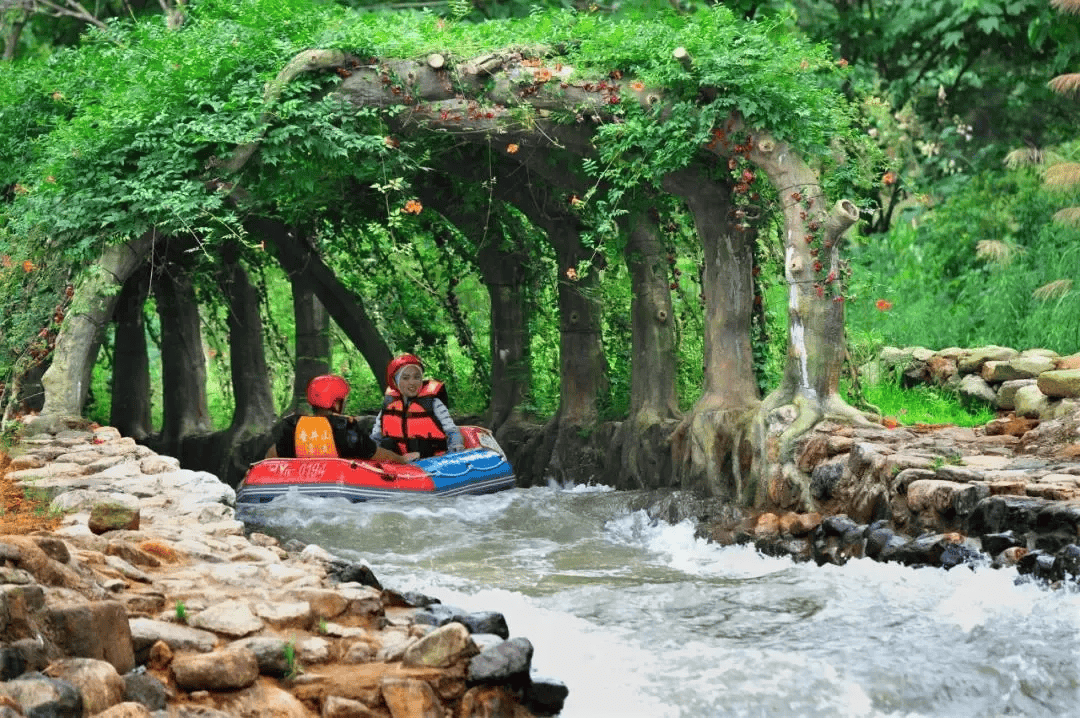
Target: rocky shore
(1003, 494)
(150, 600)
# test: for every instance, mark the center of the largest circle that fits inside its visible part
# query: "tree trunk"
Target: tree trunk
(510, 371)
(640, 450)
(346, 308)
(68, 377)
(254, 412)
(183, 364)
(11, 39)
(131, 407)
(653, 353)
(816, 278)
(312, 338)
(710, 447)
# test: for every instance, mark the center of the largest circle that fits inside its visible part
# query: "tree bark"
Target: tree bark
(11, 38)
(131, 406)
(653, 353)
(312, 338)
(254, 411)
(639, 454)
(183, 364)
(710, 445)
(344, 306)
(815, 275)
(511, 374)
(68, 377)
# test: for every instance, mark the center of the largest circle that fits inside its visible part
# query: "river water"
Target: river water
(639, 618)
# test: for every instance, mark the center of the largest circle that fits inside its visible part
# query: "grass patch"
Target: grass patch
(924, 405)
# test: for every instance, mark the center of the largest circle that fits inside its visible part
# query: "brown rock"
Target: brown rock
(410, 698)
(490, 702)
(1010, 426)
(1012, 555)
(940, 369)
(815, 451)
(161, 656)
(1070, 362)
(46, 570)
(97, 629)
(768, 524)
(338, 707)
(132, 554)
(797, 525)
(227, 670)
(129, 709)
(263, 699)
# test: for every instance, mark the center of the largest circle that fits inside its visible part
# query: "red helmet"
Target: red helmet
(323, 391)
(398, 363)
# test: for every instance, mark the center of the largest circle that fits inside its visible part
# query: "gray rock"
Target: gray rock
(487, 622)
(145, 632)
(144, 688)
(43, 697)
(507, 661)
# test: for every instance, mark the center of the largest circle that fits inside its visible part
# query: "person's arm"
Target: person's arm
(358, 445)
(454, 442)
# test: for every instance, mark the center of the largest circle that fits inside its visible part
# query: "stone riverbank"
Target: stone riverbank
(150, 600)
(1007, 493)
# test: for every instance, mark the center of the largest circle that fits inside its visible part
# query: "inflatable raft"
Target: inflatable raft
(481, 468)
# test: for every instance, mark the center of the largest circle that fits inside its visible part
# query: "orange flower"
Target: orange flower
(28, 266)
(391, 142)
(889, 178)
(571, 274)
(842, 62)
(883, 305)
(542, 75)
(412, 207)
(511, 148)
(637, 85)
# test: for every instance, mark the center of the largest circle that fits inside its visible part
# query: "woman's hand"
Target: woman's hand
(411, 456)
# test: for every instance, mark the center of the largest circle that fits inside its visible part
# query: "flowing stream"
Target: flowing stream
(639, 618)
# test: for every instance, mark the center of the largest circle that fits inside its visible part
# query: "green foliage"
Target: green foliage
(34, 286)
(988, 265)
(10, 434)
(293, 669)
(922, 404)
(180, 608)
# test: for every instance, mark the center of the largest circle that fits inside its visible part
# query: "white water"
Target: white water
(639, 618)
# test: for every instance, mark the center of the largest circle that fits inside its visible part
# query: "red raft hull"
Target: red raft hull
(480, 469)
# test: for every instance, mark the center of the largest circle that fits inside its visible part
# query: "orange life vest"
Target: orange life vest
(314, 437)
(414, 428)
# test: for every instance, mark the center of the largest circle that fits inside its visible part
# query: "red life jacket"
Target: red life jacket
(314, 437)
(414, 428)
